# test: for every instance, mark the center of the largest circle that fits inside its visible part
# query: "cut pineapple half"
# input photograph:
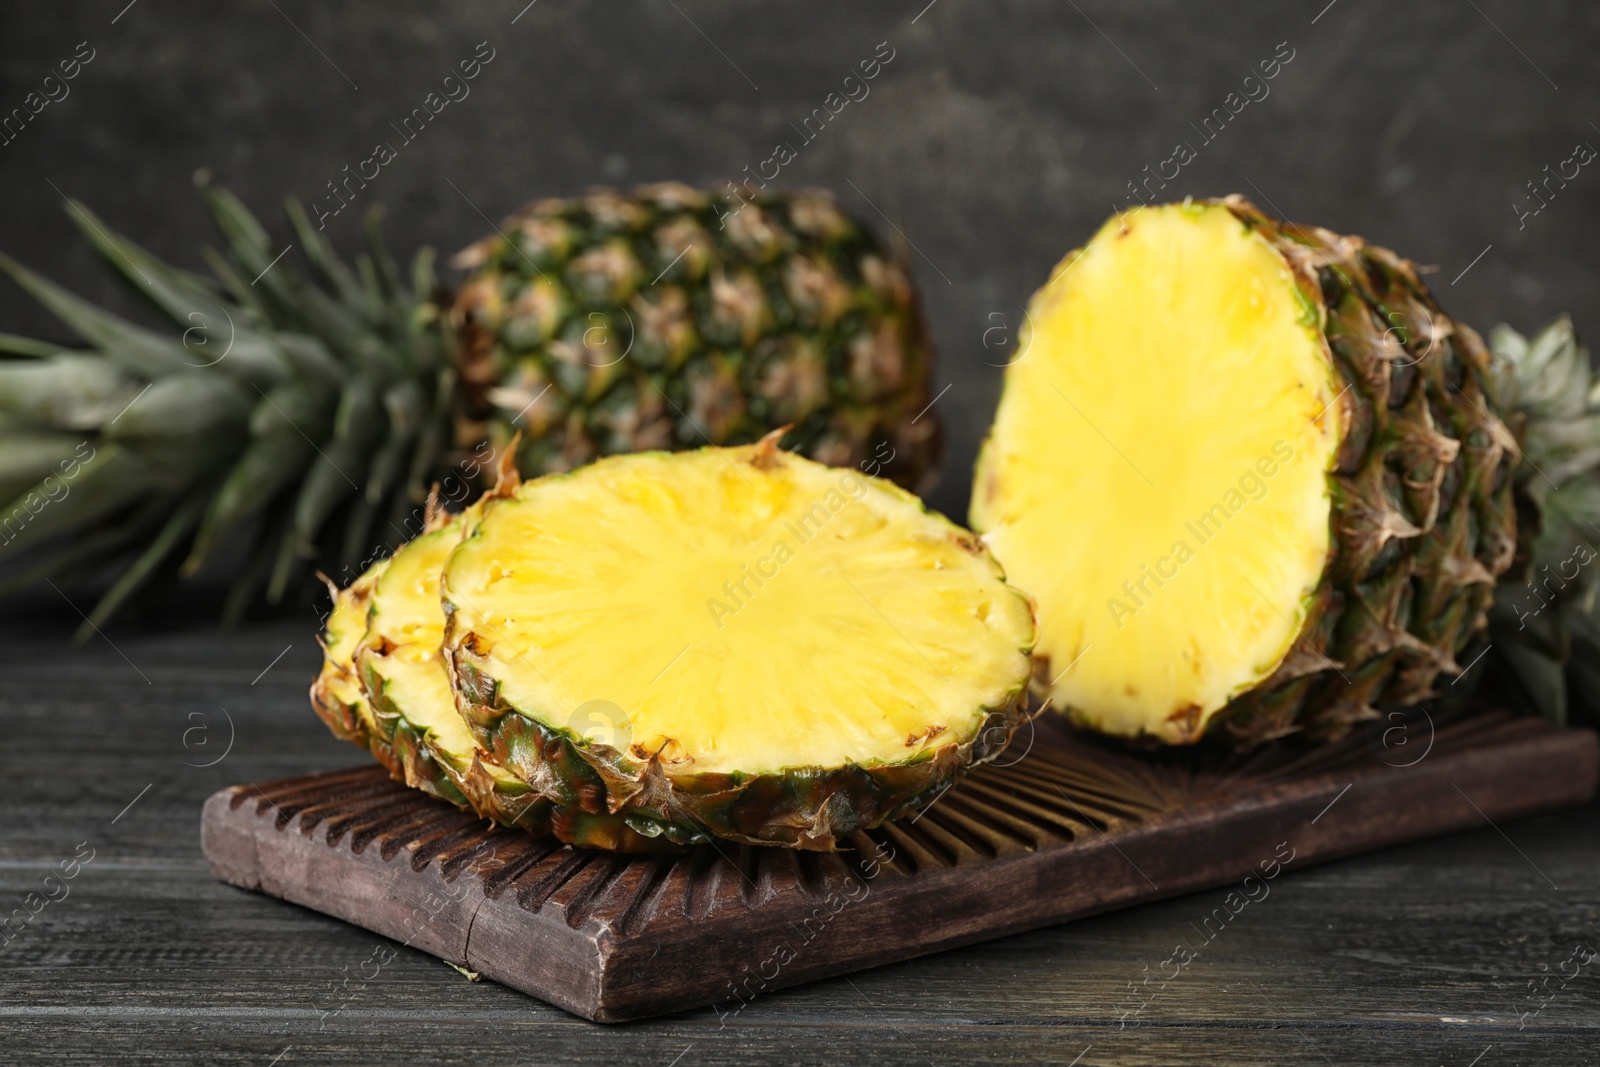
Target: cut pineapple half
(1253, 474)
(738, 642)
(1157, 476)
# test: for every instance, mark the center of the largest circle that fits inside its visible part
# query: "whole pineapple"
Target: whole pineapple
(311, 413)
(671, 319)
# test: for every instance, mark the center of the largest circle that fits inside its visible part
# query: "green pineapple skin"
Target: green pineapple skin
(1424, 521)
(669, 318)
(410, 756)
(406, 747)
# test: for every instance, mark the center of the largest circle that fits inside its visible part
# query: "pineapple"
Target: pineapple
(309, 414)
(336, 694)
(1253, 475)
(383, 686)
(402, 676)
(662, 320)
(738, 643)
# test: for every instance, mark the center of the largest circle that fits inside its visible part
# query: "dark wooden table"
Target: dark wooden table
(1419, 955)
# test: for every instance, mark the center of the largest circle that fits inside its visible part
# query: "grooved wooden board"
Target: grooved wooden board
(1073, 827)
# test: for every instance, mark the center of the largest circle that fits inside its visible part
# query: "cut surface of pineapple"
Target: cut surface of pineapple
(1157, 476)
(404, 678)
(409, 708)
(399, 660)
(733, 622)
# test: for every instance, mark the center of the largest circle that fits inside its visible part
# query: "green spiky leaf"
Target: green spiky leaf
(281, 407)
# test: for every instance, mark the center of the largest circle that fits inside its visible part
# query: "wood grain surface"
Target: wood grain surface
(1420, 954)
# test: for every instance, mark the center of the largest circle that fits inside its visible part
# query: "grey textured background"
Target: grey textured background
(997, 139)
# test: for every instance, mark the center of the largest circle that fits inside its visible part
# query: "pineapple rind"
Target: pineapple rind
(1424, 521)
(390, 705)
(336, 693)
(421, 762)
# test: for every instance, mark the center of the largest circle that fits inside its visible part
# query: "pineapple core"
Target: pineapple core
(1157, 475)
(738, 610)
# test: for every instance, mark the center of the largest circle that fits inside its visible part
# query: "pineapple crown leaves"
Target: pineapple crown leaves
(1549, 381)
(1545, 626)
(308, 410)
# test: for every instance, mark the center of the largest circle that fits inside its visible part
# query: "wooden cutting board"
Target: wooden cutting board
(1072, 826)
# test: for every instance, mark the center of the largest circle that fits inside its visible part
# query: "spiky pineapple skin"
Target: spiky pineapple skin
(412, 758)
(1423, 516)
(669, 318)
(805, 808)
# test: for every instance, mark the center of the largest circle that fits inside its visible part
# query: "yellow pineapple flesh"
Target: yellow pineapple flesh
(1158, 473)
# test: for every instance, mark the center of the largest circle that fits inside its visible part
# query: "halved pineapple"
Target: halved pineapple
(1246, 466)
(736, 642)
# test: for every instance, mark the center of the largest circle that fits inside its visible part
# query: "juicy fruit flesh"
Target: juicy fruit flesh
(1157, 474)
(401, 650)
(736, 614)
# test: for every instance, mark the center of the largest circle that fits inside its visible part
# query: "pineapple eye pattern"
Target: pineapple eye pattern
(1399, 330)
(597, 340)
